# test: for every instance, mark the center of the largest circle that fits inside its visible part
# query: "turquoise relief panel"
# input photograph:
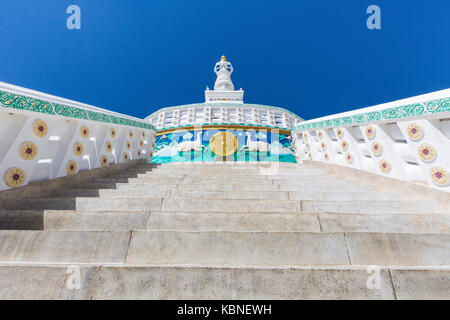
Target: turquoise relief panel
(194, 145)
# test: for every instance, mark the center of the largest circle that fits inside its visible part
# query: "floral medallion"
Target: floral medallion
(141, 143)
(28, 150)
(128, 145)
(40, 128)
(370, 132)
(440, 176)
(130, 134)
(309, 156)
(385, 166)
(377, 148)
(339, 133)
(305, 135)
(139, 153)
(323, 145)
(426, 152)
(125, 156)
(84, 131)
(349, 158)
(326, 157)
(108, 146)
(104, 161)
(143, 134)
(14, 177)
(78, 149)
(320, 135)
(308, 146)
(344, 145)
(71, 168)
(112, 133)
(415, 131)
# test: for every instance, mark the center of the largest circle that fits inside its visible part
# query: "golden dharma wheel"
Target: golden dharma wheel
(223, 143)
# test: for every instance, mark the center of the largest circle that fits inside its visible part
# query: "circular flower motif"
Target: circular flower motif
(125, 156)
(14, 177)
(28, 150)
(377, 148)
(349, 158)
(84, 131)
(370, 132)
(339, 133)
(128, 145)
(108, 146)
(143, 134)
(415, 131)
(344, 145)
(141, 143)
(112, 133)
(426, 152)
(320, 135)
(139, 153)
(440, 176)
(326, 156)
(305, 135)
(308, 146)
(130, 134)
(385, 166)
(71, 168)
(40, 128)
(323, 145)
(104, 161)
(309, 156)
(78, 149)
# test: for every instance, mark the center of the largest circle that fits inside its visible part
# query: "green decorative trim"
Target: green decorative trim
(407, 111)
(224, 104)
(19, 102)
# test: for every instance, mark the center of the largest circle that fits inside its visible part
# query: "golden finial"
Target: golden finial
(223, 58)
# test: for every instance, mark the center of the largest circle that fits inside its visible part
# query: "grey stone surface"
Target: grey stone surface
(392, 223)
(233, 222)
(398, 249)
(237, 248)
(421, 283)
(238, 283)
(63, 246)
(118, 204)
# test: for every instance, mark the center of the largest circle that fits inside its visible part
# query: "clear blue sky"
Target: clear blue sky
(312, 57)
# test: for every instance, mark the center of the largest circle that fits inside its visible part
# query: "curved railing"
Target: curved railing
(45, 137)
(407, 139)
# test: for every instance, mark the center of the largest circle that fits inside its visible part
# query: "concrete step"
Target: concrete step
(371, 206)
(288, 248)
(63, 246)
(234, 205)
(68, 193)
(390, 223)
(236, 186)
(201, 282)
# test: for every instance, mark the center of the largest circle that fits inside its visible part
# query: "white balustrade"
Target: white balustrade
(45, 137)
(407, 139)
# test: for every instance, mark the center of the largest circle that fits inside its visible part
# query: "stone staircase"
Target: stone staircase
(228, 231)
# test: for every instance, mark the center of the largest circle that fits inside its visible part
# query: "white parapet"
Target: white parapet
(407, 139)
(45, 137)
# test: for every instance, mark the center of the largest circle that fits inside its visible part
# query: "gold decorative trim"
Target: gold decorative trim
(385, 166)
(112, 133)
(141, 143)
(125, 156)
(323, 146)
(377, 148)
(439, 176)
(130, 134)
(104, 161)
(71, 168)
(326, 157)
(370, 132)
(40, 128)
(108, 146)
(222, 127)
(28, 150)
(426, 152)
(223, 143)
(128, 145)
(349, 158)
(15, 177)
(78, 149)
(344, 145)
(320, 135)
(415, 131)
(84, 132)
(339, 133)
